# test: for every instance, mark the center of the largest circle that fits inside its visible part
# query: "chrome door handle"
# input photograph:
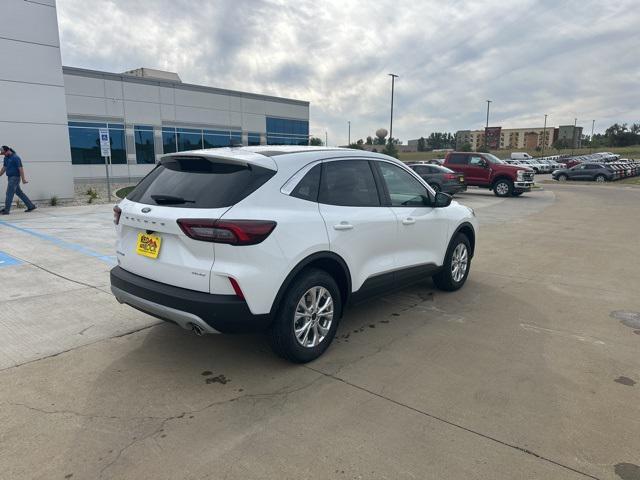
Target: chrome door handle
(409, 221)
(343, 226)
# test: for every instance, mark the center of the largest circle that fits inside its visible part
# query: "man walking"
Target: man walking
(12, 165)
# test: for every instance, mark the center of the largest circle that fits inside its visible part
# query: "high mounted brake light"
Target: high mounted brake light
(232, 232)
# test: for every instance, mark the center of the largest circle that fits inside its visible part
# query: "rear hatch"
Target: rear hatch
(152, 244)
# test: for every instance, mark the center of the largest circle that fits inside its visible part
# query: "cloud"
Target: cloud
(567, 59)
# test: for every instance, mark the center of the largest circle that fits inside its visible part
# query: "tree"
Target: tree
(621, 136)
(315, 141)
(369, 140)
(356, 146)
(360, 142)
(562, 143)
(465, 147)
(391, 149)
(422, 144)
(440, 140)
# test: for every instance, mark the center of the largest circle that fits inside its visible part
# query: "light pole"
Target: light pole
(487, 125)
(593, 124)
(573, 137)
(393, 81)
(544, 134)
(349, 122)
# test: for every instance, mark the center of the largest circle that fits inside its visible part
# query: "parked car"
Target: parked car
(440, 178)
(282, 239)
(537, 166)
(585, 171)
(485, 170)
(520, 156)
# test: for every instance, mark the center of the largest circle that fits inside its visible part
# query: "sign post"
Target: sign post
(105, 151)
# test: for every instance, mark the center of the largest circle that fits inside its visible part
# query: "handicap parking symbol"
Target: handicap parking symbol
(7, 260)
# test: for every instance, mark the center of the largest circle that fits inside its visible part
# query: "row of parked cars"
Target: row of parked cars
(538, 165)
(599, 171)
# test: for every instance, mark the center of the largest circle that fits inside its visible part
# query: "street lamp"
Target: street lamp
(487, 125)
(544, 134)
(593, 124)
(326, 139)
(393, 81)
(573, 137)
(349, 122)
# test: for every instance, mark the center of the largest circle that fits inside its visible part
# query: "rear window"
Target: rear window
(457, 159)
(196, 182)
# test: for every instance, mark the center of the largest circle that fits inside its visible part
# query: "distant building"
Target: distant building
(529, 138)
(572, 135)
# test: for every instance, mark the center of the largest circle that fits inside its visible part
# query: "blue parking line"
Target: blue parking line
(7, 260)
(75, 247)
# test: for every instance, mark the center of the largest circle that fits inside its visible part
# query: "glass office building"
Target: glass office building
(150, 113)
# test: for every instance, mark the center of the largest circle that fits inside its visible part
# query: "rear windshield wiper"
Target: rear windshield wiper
(170, 200)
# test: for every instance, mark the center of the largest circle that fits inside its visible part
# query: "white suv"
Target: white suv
(282, 239)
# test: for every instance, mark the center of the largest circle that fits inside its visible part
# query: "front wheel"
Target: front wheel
(601, 178)
(308, 318)
(562, 178)
(503, 188)
(456, 265)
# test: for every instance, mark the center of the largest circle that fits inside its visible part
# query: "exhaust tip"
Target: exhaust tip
(197, 329)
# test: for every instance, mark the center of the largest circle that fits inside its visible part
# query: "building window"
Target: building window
(221, 138)
(253, 138)
(282, 131)
(189, 139)
(169, 144)
(85, 143)
(145, 151)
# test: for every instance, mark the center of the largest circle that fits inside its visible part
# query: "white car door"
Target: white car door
(360, 229)
(423, 231)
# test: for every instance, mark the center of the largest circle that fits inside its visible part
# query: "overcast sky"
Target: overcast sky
(564, 58)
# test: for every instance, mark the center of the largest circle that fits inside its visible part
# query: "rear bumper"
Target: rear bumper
(212, 313)
(453, 188)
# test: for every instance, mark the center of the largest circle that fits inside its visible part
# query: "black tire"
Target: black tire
(516, 194)
(503, 187)
(282, 337)
(562, 177)
(444, 279)
(600, 178)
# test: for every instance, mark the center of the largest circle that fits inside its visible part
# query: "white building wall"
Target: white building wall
(101, 96)
(33, 117)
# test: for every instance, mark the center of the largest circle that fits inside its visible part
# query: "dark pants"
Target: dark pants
(13, 188)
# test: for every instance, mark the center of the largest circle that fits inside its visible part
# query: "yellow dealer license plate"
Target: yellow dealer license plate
(148, 245)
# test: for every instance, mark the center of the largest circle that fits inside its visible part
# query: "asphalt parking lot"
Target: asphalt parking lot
(530, 371)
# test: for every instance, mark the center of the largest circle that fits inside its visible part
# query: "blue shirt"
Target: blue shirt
(12, 165)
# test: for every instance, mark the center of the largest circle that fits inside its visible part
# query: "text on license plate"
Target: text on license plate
(148, 245)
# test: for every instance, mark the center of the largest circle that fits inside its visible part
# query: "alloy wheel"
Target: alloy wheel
(502, 188)
(313, 317)
(459, 262)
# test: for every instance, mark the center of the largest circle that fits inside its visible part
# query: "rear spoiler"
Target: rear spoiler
(227, 155)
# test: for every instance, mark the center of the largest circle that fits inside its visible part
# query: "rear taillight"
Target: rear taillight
(450, 176)
(232, 232)
(117, 211)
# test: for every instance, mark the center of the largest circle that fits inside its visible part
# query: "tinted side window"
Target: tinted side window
(196, 182)
(309, 186)
(458, 159)
(404, 190)
(348, 183)
(476, 161)
(422, 170)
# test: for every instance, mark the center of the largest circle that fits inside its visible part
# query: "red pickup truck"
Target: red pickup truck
(488, 171)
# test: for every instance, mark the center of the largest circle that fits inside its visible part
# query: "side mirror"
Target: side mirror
(442, 200)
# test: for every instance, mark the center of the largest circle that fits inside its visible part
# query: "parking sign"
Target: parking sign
(105, 144)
